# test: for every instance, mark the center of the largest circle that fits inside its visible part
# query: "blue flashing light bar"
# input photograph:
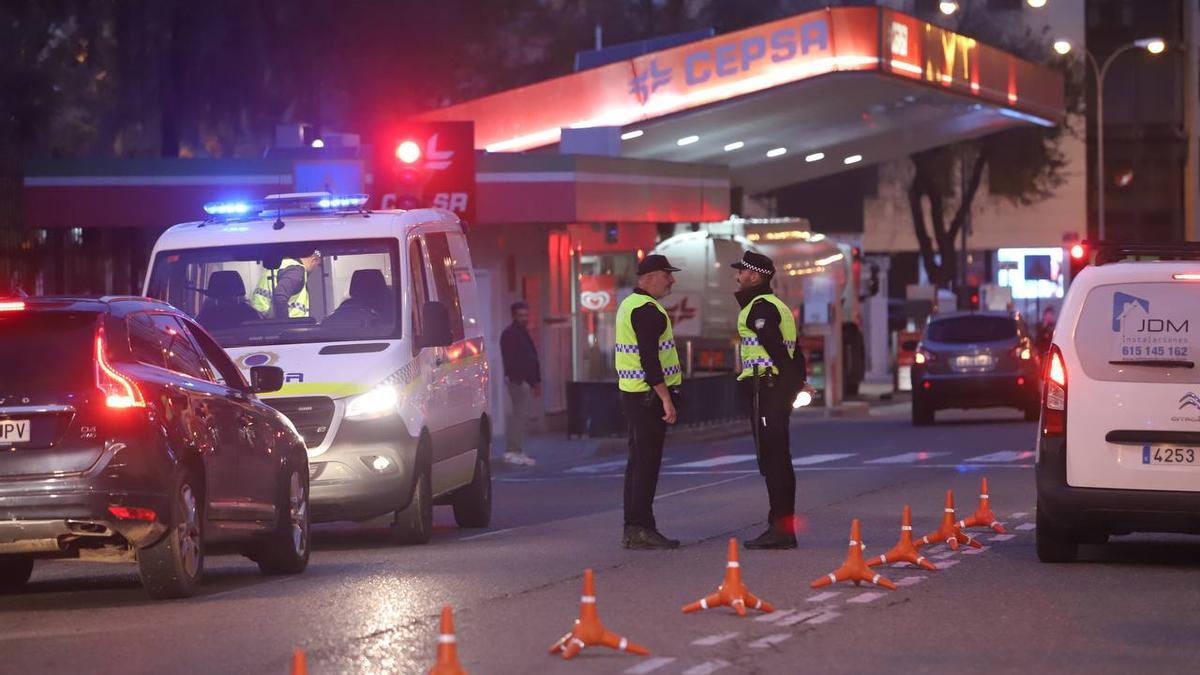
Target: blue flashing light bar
(300, 201)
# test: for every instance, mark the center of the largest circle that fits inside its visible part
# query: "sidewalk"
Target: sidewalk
(555, 449)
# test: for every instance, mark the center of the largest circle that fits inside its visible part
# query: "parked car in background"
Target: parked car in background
(127, 435)
(975, 360)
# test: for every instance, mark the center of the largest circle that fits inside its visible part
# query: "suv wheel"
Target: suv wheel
(1054, 544)
(14, 572)
(286, 550)
(414, 523)
(172, 567)
(922, 411)
(473, 503)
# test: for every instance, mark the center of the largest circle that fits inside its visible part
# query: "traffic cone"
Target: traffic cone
(949, 531)
(588, 631)
(732, 592)
(299, 663)
(855, 568)
(447, 652)
(904, 550)
(983, 515)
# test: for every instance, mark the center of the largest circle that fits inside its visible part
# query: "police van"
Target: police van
(374, 319)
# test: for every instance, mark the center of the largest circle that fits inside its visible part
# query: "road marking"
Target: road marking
(706, 668)
(1019, 514)
(598, 468)
(710, 640)
(906, 458)
(864, 598)
(1003, 537)
(822, 597)
(943, 556)
(947, 564)
(493, 533)
(698, 487)
(774, 616)
(824, 618)
(651, 665)
(910, 581)
(770, 640)
(1003, 456)
(1025, 527)
(723, 460)
(808, 460)
(801, 616)
(975, 551)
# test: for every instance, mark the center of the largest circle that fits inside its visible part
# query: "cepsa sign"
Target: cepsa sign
(426, 164)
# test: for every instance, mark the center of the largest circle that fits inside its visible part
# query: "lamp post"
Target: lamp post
(1152, 45)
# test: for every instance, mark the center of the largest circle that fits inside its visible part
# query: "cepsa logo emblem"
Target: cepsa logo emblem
(728, 59)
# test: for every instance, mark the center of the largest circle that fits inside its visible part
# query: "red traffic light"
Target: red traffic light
(408, 152)
(1077, 251)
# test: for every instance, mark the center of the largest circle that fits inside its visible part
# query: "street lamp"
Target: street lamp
(948, 7)
(1152, 45)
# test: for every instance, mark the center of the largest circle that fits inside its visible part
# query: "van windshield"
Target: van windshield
(318, 291)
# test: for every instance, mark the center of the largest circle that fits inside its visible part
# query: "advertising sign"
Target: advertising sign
(598, 293)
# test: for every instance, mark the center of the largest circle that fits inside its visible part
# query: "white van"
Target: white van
(1119, 440)
(382, 350)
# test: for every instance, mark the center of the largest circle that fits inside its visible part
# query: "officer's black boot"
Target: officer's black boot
(775, 537)
(643, 538)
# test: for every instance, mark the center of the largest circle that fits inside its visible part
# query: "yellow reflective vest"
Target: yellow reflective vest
(754, 353)
(631, 376)
(297, 304)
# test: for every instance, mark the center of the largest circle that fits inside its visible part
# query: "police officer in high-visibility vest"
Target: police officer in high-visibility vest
(773, 372)
(283, 293)
(648, 375)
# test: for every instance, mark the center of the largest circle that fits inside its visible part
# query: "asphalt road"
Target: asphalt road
(364, 606)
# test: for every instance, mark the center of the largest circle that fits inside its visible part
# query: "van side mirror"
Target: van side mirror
(435, 326)
(266, 379)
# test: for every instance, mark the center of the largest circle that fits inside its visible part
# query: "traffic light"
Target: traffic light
(968, 298)
(409, 181)
(1078, 258)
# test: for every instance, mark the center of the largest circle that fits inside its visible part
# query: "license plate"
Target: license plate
(1172, 455)
(973, 361)
(14, 431)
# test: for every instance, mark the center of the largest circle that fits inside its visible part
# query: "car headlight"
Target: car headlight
(379, 402)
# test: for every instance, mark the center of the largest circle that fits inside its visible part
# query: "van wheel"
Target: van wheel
(414, 523)
(14, 572)
(286, 550)
(173, 567)
(1054, 544)
(473, 503)
(922, 412)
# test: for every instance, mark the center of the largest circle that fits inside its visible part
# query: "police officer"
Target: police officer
(283, 293)
(648, 375)
(773, 371)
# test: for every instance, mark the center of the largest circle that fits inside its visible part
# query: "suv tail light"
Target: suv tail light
(923, 355)
(1022, 352)
(12, 305)
(119, 390)
(1054, 400)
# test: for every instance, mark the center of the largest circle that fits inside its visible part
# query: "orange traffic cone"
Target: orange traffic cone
(949, 531)
(732, 592)
(855, 568)
(447, 652)
(904, 550)
(983, 515)
(299, 664)
(588, 631)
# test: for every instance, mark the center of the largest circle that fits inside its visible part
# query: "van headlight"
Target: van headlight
(379, 402)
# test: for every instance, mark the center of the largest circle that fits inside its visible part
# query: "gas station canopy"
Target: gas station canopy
(784, 102)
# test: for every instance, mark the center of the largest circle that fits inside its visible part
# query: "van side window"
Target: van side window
(443, 265)
(420, 291)
(179, 353)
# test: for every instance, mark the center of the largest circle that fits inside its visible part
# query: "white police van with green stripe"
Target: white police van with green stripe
(375, 321)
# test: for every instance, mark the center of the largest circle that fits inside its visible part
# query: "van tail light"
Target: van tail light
(1054, 400)
(119, 390)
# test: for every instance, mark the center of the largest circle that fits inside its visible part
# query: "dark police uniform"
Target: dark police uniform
(645, 356)
(768, 340)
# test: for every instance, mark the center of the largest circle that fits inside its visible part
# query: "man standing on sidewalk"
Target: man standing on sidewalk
(648, 375)
(523, 379)
(773, 373)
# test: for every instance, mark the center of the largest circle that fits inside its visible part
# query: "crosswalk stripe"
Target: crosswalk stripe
(863, 598)
(822, 597)
(723, 460)
(825, 618)
(770, 640)
(906, 458)
(597, 468)
(909, 581)
(710, 640)
(975, 551)
(1025, 527)
(808, 460)
(1003, 456)
(1002, 537)
(651, 665)
(775, 616)
(706, 668)
(801, 616)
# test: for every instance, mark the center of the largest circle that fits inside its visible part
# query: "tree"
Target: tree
(1024, 165)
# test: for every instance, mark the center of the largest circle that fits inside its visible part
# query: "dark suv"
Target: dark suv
(975, 360)
(127, 435)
